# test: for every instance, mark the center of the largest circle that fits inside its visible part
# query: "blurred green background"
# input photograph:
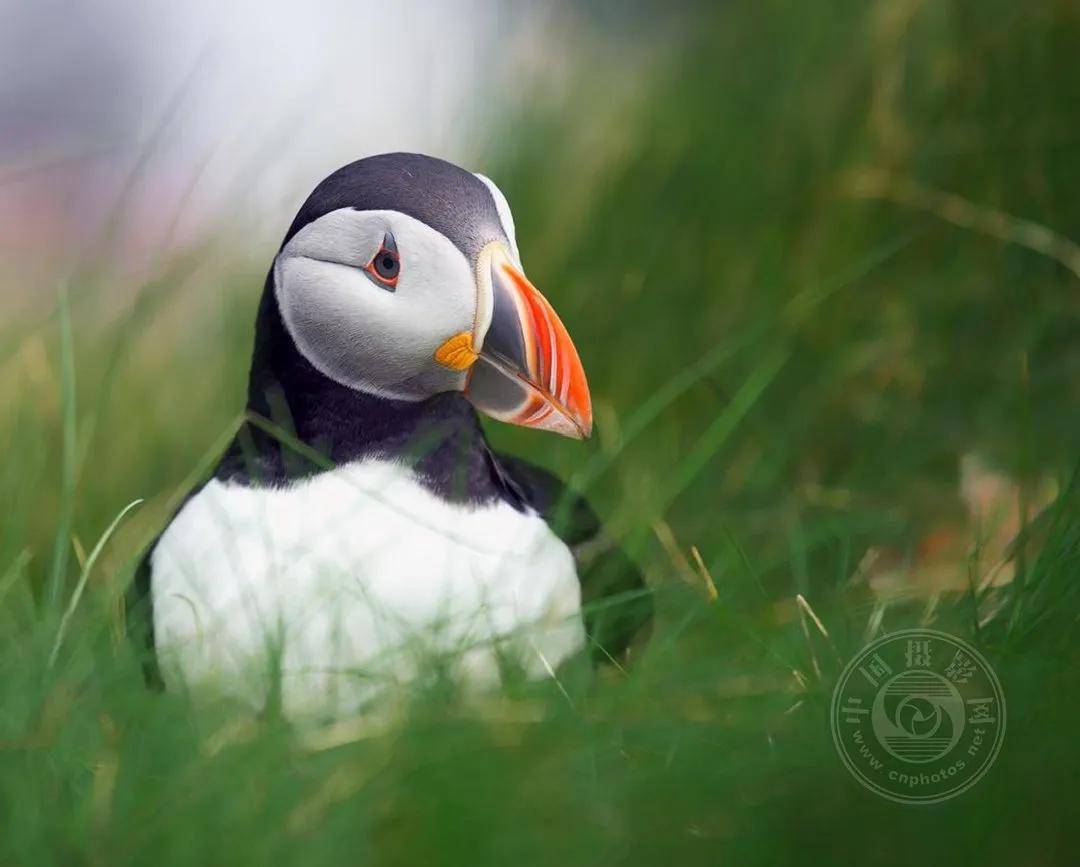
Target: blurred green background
(818, 261)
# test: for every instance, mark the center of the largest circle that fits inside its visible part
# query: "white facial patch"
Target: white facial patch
(365, 336)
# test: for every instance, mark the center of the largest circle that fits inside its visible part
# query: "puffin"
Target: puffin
(360, 525)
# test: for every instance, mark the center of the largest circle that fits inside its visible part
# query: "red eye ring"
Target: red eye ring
(385, 265)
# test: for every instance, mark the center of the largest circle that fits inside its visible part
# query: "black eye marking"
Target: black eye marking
(385, 267)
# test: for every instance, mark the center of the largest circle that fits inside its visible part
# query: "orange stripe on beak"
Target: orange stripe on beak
(528, 372)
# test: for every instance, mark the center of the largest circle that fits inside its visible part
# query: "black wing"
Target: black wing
(139, 606)
(139, 617)
(617, 603)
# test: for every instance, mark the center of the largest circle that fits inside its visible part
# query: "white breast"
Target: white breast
(346, 580)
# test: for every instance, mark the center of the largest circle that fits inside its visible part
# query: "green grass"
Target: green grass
(801, 354)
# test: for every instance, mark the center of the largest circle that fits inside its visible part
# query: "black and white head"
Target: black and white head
(400, 278)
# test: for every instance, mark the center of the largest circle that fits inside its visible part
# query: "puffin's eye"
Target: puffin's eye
(385, 267)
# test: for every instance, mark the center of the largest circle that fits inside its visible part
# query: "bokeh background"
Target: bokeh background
(819, 262)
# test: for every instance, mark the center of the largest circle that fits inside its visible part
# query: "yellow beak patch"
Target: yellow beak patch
(457, 352)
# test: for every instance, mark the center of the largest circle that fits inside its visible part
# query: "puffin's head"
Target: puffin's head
(400, 277)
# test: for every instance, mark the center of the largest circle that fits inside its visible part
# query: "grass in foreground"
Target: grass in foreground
(830, 361)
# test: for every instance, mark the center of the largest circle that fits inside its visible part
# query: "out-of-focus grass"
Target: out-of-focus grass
(809, 365)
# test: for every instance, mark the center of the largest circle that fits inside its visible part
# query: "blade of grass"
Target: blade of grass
(68, 454)
(85, 576)
(14, 572)
(722, 427)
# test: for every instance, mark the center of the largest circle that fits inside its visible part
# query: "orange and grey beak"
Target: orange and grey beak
(527, 371)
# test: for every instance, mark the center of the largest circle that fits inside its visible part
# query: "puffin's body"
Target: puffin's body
(360, 522)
